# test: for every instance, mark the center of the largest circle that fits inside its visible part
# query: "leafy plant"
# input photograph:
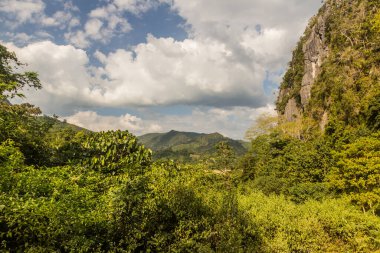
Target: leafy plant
(114, 152)
(357, 171)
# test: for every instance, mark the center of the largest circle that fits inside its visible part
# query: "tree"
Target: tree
(11, 80)
(225, 156)
(20, 124)
(11, 161)
(264, 124)
(115, 152)
(357, 171)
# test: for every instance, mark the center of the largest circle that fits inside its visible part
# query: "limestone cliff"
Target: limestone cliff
(335, 69)
(313, 49)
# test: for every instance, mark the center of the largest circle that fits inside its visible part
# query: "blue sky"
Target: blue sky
(156, 65)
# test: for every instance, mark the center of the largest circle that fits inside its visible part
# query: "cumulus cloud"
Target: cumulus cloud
(62, 19)
(22, 10)
(162, 72)
(136, 6)
(104, 23)
(19, 12)
(97, 30)
(21, 38)
(62, 71)
(269, 28)
(205, 17)
(95, 122)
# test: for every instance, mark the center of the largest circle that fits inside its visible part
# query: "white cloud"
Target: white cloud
(19, 37)
(204, 16)
(102, 25)
(95, 122)
(136, 6)
(62, 19)
(93, 27)
(17, 12)
(22, 10)
(74, 22)
(69, 6)
(107, 21)
(62, 71)
(164, 72)
(78, 39)
(269, 28)
(24, 39)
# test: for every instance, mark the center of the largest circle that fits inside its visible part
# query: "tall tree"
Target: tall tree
(12, 80)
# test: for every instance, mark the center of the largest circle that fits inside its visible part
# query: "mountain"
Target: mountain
(187, 146)
(333, 77)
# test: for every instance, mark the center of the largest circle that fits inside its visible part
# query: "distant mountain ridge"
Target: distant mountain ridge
(187, 145)
(182, 146)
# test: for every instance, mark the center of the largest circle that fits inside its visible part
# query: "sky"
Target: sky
(156, 65)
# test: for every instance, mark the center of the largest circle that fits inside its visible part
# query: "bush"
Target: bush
(327, 226)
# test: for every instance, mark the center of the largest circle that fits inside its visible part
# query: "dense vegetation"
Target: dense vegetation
(65, 189)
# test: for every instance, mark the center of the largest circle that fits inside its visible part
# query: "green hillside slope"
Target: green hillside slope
(187, 146)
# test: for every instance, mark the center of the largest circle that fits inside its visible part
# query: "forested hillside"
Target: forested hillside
(310, 181)
(188, 147)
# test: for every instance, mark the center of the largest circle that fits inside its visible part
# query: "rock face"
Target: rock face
(333, 77)
(314, 50)
(292, 112)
